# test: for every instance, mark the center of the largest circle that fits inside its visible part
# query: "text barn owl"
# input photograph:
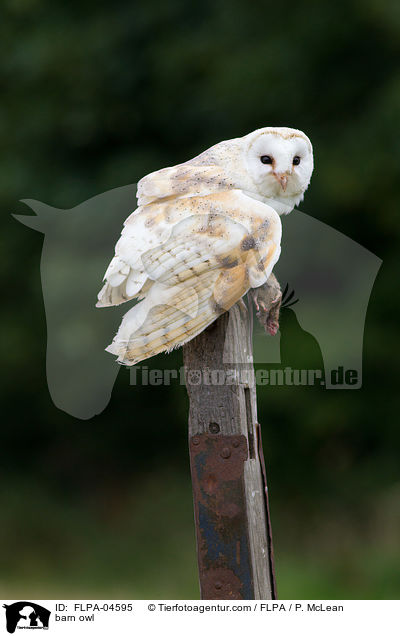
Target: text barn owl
(205, 232)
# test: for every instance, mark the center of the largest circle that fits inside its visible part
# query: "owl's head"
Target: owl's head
(280, 163)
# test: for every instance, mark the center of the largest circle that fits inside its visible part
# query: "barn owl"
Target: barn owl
(204, 233)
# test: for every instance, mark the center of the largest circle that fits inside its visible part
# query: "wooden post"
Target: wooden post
(233, 531)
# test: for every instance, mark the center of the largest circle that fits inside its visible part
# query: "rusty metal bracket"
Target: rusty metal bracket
(219, 507)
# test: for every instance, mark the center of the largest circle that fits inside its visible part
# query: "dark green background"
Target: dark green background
(93, 96)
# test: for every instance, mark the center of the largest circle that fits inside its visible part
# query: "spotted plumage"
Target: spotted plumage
(204, 233)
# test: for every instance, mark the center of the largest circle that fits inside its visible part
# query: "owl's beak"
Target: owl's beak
(282, 178)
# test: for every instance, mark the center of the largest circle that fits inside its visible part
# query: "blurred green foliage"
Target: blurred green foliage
(94, 96)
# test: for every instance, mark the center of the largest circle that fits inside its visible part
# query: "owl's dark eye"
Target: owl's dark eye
(296, 160)
(266, 159)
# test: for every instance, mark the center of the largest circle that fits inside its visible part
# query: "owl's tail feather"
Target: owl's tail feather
(168, 317)
(122, 283)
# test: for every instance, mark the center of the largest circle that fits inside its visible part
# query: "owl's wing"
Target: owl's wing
(186, 179)
(151, 226)
(222, 245)
(160, 203)
(148, 226)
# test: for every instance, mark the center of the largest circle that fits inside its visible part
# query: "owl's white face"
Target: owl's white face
(280, 163)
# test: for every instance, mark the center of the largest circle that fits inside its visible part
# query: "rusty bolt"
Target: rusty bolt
(218, 585)
(225, 453)
(196, 441)
(236, 443)
(214, 428)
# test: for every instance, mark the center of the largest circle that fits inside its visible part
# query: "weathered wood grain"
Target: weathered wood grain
(221, 386)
